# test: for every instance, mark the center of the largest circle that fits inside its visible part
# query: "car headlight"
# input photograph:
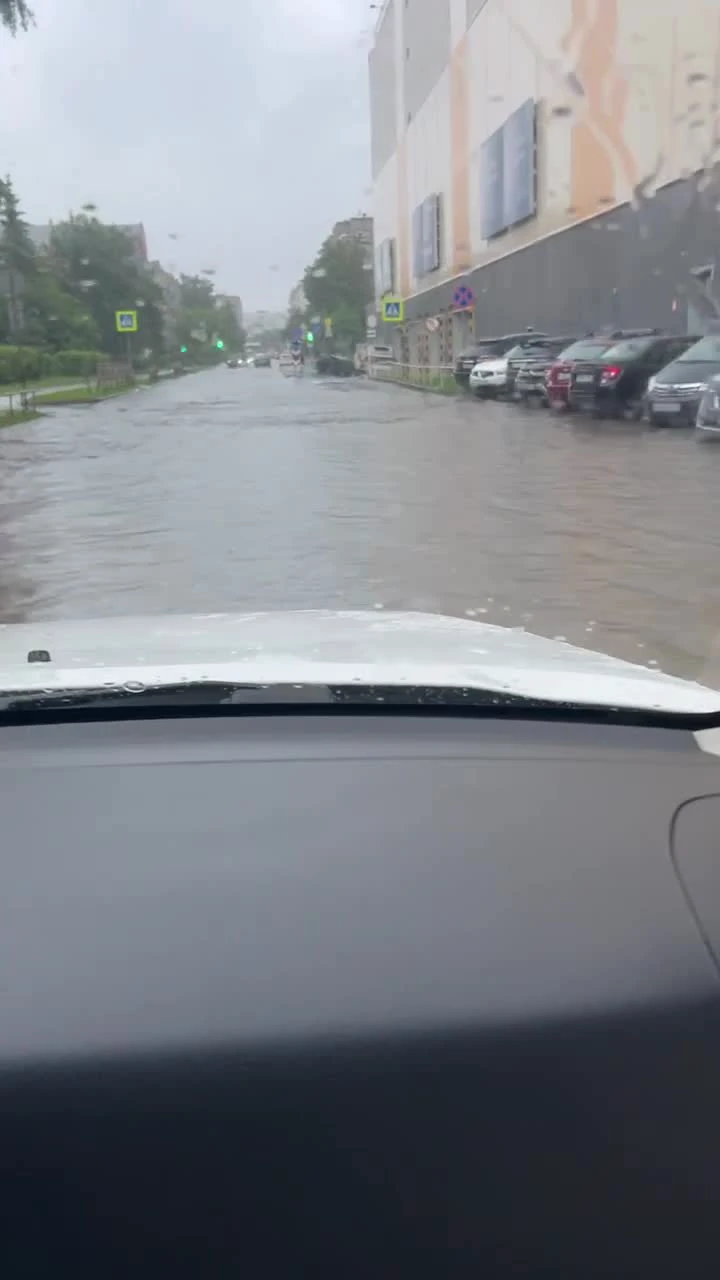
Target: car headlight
(651, 384)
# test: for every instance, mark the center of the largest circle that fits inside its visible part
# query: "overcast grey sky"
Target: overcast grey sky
(241, 126)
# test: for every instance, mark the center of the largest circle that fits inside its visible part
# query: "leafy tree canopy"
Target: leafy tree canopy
(16, 15)
(97, 264)
(339, 286)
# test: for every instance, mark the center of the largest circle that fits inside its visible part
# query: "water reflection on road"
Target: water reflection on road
(243, 490)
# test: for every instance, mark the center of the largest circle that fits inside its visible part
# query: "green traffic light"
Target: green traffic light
(219, 344)
(183, 350)
(311, 338)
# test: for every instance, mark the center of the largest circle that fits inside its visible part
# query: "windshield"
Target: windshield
(249, 258)
(629, 349)
(526, 349)
(584, 350)
(707, 350)
(487, 349)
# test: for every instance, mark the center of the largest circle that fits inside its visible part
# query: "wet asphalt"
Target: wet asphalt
(242, 489)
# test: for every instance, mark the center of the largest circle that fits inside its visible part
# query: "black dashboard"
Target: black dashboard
(369, 995)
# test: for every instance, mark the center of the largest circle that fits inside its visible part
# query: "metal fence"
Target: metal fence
(431, 377)
(16, 401)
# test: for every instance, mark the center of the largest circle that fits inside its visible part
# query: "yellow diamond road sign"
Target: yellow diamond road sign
(126, 321)
(393, 310)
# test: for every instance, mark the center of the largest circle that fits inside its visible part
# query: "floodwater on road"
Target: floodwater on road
(243, 490)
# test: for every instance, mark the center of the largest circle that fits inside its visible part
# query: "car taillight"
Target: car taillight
(610, 373)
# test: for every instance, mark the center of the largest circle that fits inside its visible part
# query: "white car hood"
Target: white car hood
(326, 647)
(491, 366)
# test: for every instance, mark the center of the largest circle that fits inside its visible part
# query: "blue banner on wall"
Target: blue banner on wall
(519, 181)
(418, 254)
(508, 180)
(426, 237)
(492, 212)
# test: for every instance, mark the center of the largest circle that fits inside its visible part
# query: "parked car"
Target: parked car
(674, 393)
(489, 377)
(707, 424)
(615, 385)
(486, 349)
(558, 379)
(530, 380)
(494, 377)
(527, 354)
(559, 372)
(262, 361)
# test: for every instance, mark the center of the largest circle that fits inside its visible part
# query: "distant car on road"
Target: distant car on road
(262, 361)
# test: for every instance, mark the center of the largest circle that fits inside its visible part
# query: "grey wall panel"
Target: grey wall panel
(427, 49)
(383, 91)
(623, 268)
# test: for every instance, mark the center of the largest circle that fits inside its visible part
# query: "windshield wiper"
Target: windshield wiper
(133, 700)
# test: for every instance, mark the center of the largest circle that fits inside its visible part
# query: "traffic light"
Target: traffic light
(311, 337)
(219, 344)
(183, 351)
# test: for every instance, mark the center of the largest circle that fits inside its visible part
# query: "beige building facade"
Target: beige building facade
(524, 146)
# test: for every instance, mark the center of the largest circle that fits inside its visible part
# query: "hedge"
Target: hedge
(20, 364)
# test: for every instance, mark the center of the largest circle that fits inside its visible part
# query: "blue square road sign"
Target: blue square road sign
(393, 310)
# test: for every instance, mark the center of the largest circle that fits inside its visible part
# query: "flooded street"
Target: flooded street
(236, 490)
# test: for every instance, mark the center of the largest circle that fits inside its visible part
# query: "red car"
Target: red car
(558, 379)
(559, 374)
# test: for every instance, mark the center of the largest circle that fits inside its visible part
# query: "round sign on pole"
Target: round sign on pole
(464, 297)
(432, 324)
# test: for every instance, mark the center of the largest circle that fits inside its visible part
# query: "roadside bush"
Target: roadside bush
(18, 364)
(75, 364)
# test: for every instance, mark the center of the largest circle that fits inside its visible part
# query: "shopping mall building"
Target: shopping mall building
(546, 163)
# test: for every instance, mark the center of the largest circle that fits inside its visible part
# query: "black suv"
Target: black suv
(615, 385)
(674, 394)
(489, 349)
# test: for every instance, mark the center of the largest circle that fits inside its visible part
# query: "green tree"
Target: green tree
(338, 285)
(54, 319)
(206, 318)
(17, 260)
(227, 327)
(15, 15)
(96, 264)
(196, 293)
(17, 251)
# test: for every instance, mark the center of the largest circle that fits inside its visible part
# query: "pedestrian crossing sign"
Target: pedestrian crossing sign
(126, 321)
(393, 310)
